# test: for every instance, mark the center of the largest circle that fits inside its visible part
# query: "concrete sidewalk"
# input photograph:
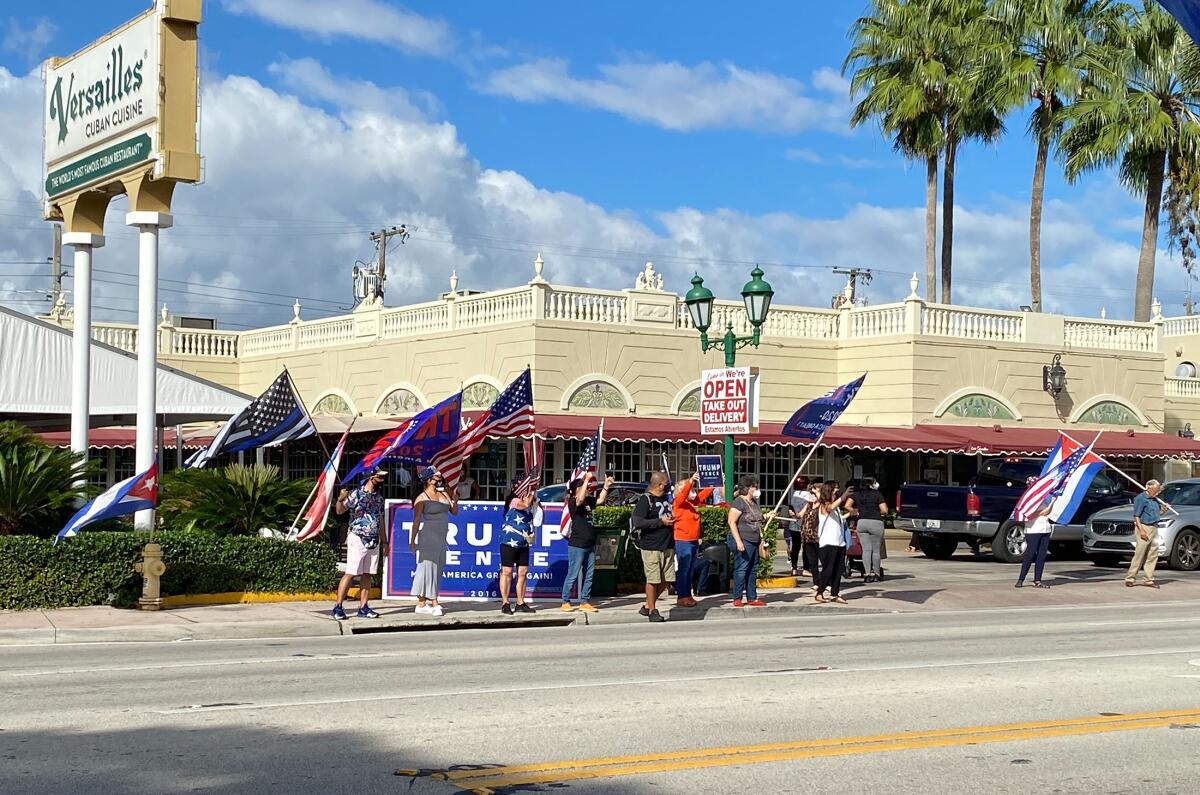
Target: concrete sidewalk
(913, 585)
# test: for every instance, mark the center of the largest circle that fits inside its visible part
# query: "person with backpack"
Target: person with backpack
(581, 544)
(652, 525)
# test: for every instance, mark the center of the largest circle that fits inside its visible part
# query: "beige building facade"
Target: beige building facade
(632, 356)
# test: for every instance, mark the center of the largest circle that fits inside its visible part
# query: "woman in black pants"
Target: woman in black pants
(801, 498)
(831, 529)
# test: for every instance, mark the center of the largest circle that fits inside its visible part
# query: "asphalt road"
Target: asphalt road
(1094, 699)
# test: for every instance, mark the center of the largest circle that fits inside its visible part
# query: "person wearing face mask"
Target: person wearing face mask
(688, 560)
(430, 531)
(652, 517)
(745, 535)
(515, 537)
(365, 505)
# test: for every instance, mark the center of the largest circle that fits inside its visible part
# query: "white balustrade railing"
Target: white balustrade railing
(1179, 326)
(265, 341)
(1182, 387)
(972, 324)
(801, 323)
(493, 309)
(204, 342)
(118, 336)
(880, 321)
(336, 331)
(1110, 335)
(415, 320)
(585, 306)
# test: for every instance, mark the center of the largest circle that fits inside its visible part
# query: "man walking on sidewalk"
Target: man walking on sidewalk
(652, 519)
(1145, 526)
(687, 537)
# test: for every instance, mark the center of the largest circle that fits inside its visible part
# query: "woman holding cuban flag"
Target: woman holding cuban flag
(1037, 542)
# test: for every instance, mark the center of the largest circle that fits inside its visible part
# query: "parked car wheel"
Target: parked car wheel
(1009, 544)
(938, 548)
(1107, 561)
(1185, 554)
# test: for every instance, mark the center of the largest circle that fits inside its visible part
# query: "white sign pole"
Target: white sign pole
(148, 224)
(81, 338)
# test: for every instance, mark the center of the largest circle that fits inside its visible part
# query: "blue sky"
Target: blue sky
(603, 133)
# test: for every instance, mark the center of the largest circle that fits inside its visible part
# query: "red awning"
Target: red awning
(670, 429)
(122, 438)
(1123, 442)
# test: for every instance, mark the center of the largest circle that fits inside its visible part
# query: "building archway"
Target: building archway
(597, 391)
(688, 400)
(1109, 410)
(333, 402)
(400, 400)
(977, 403)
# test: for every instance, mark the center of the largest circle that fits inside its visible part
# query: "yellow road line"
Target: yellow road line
(485, 780)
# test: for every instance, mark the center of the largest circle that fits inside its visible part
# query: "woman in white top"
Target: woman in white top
(831, 540)
(1037, 543)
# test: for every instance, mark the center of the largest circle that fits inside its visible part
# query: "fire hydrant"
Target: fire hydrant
(152, 568)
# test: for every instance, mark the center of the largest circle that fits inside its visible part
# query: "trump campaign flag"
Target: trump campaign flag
(131, 495)
(425, 435)
(1188, 14)
(814, 418)
(322, 496)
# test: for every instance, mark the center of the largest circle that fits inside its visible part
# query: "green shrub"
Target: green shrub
(37, 483)
(713, 527)
(232, 500)
(97, 568)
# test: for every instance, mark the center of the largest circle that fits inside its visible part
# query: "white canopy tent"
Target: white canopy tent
(35, 382)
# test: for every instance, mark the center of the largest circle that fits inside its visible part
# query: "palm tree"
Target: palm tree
(1139, 111)
(1039, 52)
(895, 54)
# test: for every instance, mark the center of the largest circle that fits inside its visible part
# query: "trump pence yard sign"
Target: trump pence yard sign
(729, 401)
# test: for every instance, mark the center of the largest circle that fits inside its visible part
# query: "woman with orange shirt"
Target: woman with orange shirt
(688, 499)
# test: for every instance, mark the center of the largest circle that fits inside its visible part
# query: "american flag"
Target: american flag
(589, 461)
(1049, 486)
(510, 415)
(274, 417)
(535, 451)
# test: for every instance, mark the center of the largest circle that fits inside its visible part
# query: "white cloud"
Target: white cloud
(309, 79)
(807, 155)
(292, 190)
(29, 43)
(811, 156)
(367, 20)
(680, 97)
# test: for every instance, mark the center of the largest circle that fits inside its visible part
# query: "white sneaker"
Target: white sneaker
(437, 611)
(424, 609)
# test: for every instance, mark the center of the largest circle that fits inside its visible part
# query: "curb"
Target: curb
(258, 597)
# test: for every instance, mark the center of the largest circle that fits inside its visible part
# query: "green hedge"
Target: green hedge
(713, 527)
(97, 568)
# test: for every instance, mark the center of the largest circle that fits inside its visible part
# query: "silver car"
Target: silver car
(1109, 535)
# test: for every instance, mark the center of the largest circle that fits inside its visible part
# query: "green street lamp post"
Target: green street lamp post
(757, 295)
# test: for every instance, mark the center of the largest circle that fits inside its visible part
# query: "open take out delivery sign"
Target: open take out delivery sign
(729, 401)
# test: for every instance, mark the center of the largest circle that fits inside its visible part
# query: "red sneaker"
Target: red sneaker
(757, 603)
(738, 602)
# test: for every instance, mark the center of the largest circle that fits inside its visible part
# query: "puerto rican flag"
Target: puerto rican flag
(318, 511)
(131, 495)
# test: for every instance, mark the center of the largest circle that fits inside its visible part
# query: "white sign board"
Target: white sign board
(728, 401)
(101, 107)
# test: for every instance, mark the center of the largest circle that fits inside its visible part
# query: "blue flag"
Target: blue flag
(427, 434)
(814, 418)
(1188, 14)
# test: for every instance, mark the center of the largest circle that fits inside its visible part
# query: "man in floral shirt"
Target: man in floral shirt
(365, 505)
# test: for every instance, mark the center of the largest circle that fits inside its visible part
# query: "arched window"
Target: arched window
(332, 404)
(598, 395)
(1185, 370)
(979, 407)
(691, 403)
(1110, 412)
(398, 402)
(480, 395)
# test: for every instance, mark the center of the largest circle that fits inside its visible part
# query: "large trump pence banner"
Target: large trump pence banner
(472, 568)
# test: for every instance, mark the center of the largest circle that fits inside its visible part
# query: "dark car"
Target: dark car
(981, 511)
(621, 494)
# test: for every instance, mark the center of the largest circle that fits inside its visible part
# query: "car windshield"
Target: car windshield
(1180, 494)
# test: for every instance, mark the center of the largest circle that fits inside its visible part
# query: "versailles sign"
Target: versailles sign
(127, 102)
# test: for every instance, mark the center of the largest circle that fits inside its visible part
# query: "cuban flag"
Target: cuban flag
(131, 495)
(1065, 478)
(814, 418)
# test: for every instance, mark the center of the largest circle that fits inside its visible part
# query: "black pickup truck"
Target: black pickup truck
(979, 512)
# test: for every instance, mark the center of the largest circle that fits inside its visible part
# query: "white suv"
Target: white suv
(1109, 535)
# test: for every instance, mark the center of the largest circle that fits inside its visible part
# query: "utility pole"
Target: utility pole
(380, 239)
(56, 273)
(852, 276)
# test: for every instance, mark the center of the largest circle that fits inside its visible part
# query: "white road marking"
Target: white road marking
(210, 664)
(1184, 620)
(528, 688)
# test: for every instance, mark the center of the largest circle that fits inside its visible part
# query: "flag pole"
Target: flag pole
(799, 469)
(1121, 472)
(317, 485)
